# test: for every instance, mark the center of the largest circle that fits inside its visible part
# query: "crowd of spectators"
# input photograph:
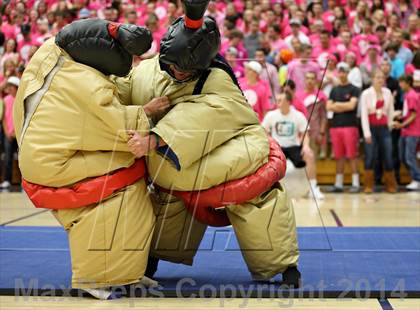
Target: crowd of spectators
(350, 68)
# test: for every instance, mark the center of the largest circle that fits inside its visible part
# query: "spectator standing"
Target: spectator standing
(256, 90)
(315, 102)
(296, 24)
(355, 75)
(231, 57)
(298, 67)
(377, 112)
(269, 74)
(253, 40)
(410, 130)
(403, 53)
(393, 85)
(397, 64)
(324, 49)
(370, 64)
(344, 130)
(10, 145)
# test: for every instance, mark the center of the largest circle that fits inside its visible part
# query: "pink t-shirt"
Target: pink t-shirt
(8, 114)
(321, 54)
(288, 31)
(238, 70)
(257, 96)
(24, 47)
(328, 19)
(297, 70)
(9, 31)
(319, 114)
(298, 104)
(411, 103)
(363, 41)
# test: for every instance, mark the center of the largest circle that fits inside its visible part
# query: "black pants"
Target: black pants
(10, 147)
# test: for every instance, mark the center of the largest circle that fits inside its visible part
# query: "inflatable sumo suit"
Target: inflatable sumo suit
(73, 153)
(217, 154)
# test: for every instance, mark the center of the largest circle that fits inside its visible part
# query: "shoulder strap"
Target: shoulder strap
(200, 84)
(220, 63)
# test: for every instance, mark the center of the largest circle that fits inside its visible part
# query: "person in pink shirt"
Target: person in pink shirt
(10, 145)
(290, 86)
(8, 27)
(255, 90)
(414, 30)
(316, 28)
(25, 41)
(236, 40)
(10, 52)
(43, 33)
(297, 68)
(317, 12)
(356, 22)
(268, 74)
(328, 16)
(231, 55)
(371, 62)
(366, 39)
(217, 15)
(344, 45)
(244, 24)
(409, 123)
(351, 8)
(314, 101)
(274, 38)
(324, 50)
(158, 32)
(382, 36)
(296, 30)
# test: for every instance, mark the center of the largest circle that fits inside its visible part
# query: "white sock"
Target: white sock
(339, 180)
(313, 183)
(355, 180)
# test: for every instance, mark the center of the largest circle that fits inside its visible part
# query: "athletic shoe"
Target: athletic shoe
(5, 185)
(413, 186)
(354, 189)
(336, 189)
(315, 193)
(103, 293)
(291, 277)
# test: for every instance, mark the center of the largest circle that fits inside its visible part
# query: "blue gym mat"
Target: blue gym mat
(334, 262)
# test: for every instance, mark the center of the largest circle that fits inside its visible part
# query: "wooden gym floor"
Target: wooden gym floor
(379, 209)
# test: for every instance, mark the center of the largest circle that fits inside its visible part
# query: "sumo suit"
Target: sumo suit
(71, 131)
(212, 137)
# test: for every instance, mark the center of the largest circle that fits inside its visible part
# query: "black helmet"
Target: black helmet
(192, 42)
(105, 46)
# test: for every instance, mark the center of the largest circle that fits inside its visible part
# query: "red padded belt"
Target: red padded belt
(84, 193)
(202, 204)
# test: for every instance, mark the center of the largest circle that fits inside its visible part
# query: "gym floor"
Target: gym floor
(343, 210)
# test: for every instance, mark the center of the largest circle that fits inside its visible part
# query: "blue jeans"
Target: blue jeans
(382, 143)
(408, 146)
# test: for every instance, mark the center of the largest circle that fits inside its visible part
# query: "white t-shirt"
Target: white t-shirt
(285, 129)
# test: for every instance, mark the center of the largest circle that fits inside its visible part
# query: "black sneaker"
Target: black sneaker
(152, 266)
(336, 189)
(291, 277)
(354, 190)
